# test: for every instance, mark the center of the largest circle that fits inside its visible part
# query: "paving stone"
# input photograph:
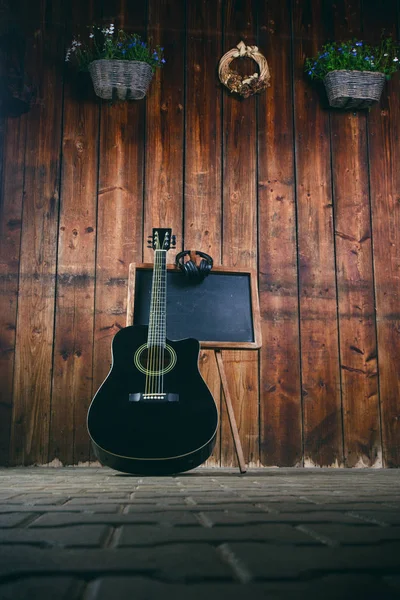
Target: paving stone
(334, 587)
(101, 498)
(76, 508)
(180, 562)
(232, 517)
(143, 535)
(388, 517)
(43, 499)
(147, 518)
(13, 519)
(267, 561)
(349, 534)
(45, 588)
(80, 535)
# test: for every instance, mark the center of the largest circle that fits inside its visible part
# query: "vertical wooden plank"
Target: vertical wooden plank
(357, 326)
(318, 301)
(12, 156)
(202, 202)
(239, 227)
(12, 177)
(165, 124)
(73, 343)
(280, 393)
(384, 159)
(120, 199)
(34, 342)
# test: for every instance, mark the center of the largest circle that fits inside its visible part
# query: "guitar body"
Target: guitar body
(135, 430)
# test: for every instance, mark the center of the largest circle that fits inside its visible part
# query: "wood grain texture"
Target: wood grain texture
(318, 302)
(203, 184)
(239, 221)
(120, 199)
(73, 341)
(384, 157)
(163, 202)
(357, 327)
(280, 392)
(13, 158)
(34, 343)
(309, 192)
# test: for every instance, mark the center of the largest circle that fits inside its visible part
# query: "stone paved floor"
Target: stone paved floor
(95, 534)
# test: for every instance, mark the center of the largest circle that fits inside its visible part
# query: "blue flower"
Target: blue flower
(163, 60)
(359, 43)
(124, 51)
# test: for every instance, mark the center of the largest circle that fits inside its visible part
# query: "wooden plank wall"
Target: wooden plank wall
(308, 196)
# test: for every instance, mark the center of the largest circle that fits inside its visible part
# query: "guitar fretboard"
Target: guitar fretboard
(158, 305)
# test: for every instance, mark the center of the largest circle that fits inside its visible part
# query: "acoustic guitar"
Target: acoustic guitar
(153, 414)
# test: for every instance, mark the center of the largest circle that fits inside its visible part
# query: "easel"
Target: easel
(216, 346)
(231, 415)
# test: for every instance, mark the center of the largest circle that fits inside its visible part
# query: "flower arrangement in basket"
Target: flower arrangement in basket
(121, 65)
(250, 84)
(354, 72)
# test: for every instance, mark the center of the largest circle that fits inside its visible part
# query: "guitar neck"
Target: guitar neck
(158, 304)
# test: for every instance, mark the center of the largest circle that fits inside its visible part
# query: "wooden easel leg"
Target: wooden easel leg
(231, 414)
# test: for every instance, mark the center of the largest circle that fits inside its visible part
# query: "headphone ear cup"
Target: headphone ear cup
(180, 261)
(204, 268)
(190, 269)
(206, 264)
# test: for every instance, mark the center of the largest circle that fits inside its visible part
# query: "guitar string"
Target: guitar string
(157, 346)
(156, 338)
(163, 319)
(161, 302)
(157, 329)
(161, 327)
(155, 323)
(149, 383)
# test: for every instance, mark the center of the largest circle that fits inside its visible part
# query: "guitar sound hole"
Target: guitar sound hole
(155, 360)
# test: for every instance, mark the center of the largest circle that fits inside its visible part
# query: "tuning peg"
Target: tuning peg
(173, 241)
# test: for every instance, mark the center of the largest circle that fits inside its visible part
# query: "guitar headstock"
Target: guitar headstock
(161, 239)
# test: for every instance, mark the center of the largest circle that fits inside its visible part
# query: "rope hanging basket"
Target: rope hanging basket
(353, 89)
(249, 84)
(122, 79)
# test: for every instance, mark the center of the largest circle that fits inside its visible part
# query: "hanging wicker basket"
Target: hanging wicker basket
(250, 84)
(353, 89)
(120, 79)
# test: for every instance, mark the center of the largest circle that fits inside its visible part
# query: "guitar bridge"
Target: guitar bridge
(154, 398)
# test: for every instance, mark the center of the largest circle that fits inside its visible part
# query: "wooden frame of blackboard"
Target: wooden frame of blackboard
(254, 307)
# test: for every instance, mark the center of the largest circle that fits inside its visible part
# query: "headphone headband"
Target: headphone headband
(190, 269)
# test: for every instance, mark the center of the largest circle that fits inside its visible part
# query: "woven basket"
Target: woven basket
(353, 89)
(120, 79)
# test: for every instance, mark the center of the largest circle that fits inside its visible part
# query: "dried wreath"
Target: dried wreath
(248, 85)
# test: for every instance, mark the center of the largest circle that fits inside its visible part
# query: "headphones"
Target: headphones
(190, 269)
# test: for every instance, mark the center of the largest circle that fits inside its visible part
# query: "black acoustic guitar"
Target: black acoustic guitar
(153, 414)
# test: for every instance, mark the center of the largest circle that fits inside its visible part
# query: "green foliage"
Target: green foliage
(105, 43)
(355, 55)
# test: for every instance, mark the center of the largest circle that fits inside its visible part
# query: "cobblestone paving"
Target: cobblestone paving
(95, 534)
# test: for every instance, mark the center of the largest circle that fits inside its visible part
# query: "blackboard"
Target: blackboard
(222, 311)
